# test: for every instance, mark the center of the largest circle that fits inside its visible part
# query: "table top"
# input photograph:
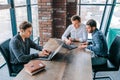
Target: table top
(72, 65)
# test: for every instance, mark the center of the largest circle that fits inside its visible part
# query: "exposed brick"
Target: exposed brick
(46, 6)
(42, 4)
(45, 12)
(45, 18)
(61, 8)
(49, 4)
(54, 16)
(59, 22)
(59, 1)
(60, 14)
(60, 4)
(46, 22)
(47, 1)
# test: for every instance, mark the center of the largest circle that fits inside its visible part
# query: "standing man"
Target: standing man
(76, 30)
(20, 46)
(99, 46)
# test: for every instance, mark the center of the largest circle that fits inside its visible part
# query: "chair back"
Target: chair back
(4, 48)
(114, 52)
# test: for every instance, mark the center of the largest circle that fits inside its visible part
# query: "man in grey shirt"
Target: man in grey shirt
(20, 45)
(76, 30)
(99, 44)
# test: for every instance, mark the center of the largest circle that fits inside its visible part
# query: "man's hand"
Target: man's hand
(45, 53)
(77, 40)
(83, 45)
(68, 41)
(73, 39)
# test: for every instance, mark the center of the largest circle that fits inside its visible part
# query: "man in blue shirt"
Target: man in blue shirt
(99, 44)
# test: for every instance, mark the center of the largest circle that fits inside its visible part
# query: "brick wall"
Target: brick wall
(71, 10)
(54, 17)
(45, 19)
(59, 17)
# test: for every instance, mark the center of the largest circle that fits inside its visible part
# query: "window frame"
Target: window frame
(11, 6)
(103, 28)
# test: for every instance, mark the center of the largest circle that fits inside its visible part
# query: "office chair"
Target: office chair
(4, 48)
(108, 64)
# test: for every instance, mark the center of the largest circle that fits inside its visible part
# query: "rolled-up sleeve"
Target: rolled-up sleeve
(97, 46)
(35, 46)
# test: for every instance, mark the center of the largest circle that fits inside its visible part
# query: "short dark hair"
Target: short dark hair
(24, 25)
(75, 17)
(92, 23)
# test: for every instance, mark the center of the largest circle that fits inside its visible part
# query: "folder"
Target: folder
(34, 66)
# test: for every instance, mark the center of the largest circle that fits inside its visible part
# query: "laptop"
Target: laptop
(49, 57)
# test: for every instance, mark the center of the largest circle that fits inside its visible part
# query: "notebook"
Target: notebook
(49, 57)
(34, 66)
(70, 47)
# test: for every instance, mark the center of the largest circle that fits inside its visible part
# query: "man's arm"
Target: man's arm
(19, 53)
(66, 33)
(37, 47)
(34, 45)
(98, 44)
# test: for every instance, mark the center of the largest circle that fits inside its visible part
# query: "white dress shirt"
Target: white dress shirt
(79, 33)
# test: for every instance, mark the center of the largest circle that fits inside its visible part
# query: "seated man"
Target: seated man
(99, 46)
(20, 46)
(76, 30)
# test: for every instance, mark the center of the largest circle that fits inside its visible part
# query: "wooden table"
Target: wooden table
(73, 65)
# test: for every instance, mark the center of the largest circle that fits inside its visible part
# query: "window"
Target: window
(21, 15)
(93, 1)
(12, 14)
(105, 19)
(5, 29)
(99, 10)
(114, 28)
(5, 22)
(3, 2)
(115, 22)
(34, 1)
(92, 12)
(19, 2)
(118, 1)
(91, 9)
(35, 21)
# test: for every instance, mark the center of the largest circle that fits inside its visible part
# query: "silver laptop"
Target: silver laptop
(49, 57)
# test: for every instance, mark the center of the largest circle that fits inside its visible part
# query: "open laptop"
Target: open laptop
(49, 57)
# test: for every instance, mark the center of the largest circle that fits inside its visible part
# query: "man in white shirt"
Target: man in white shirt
(76, 30)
